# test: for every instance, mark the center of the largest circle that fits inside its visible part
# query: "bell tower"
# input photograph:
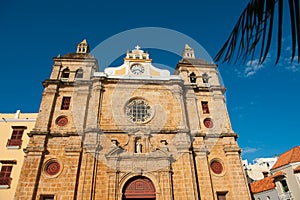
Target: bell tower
(188, 52)
(55, 146)
(83, 47)
(214, 141)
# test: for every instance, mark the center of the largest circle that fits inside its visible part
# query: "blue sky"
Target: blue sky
(263, 101)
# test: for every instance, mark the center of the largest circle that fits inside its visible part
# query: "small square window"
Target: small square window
(5, 178)
(205, 108)
(65, 105)
(221, 195)
(47, 197)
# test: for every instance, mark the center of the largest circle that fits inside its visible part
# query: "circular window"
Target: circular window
(216, 167)
(208, 123)
(62, 121)
(138, 111)
(52, 168)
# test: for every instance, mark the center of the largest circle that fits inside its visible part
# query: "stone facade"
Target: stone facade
(132, 132)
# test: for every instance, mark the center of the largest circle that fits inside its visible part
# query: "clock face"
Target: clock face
(137, 69)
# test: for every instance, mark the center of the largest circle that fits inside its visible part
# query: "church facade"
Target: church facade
(132, 132)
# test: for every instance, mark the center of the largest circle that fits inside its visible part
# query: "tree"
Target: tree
(254, 29)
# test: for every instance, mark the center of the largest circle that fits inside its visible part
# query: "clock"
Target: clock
(137, 69)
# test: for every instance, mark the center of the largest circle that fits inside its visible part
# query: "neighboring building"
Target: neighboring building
(259, 169)
(284, 182)
(132, 132)
(13, 138)
(286, 174)
(264, 189)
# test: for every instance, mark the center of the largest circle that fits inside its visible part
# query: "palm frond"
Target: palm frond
(254, 30)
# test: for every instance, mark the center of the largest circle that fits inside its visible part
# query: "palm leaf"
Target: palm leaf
(254, 30)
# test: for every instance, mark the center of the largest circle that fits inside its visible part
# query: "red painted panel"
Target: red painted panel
(138, 188)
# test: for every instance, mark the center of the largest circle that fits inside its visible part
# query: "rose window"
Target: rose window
(138, 111)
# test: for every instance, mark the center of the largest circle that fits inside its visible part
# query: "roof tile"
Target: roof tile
(262, 185)
(279, 173)
(291, 156)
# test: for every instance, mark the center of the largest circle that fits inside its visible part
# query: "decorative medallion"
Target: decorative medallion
(138, 111)
(208, 123)
(216, 167)
(62, 121)
(52, 168)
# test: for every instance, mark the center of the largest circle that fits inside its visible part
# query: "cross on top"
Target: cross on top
(137, 47)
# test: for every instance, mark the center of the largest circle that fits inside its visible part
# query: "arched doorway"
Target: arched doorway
(139, 187)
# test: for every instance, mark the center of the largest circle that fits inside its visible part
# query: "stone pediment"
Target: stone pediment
(148, 71)
(115, 151)
(125, 161)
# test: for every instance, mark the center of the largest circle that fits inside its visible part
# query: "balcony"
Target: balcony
(286, 196)
(14, 144)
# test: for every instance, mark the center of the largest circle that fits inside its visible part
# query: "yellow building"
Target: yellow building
(13, 138)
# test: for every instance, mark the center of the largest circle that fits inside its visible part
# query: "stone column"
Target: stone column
(185, 181)
(73, 158)
(32, 168)
(192, 110)
(237, 175)
(165, 179)
(113, 186)
(86, 184)
(94, 106)
(203, 173)
(44, 118)
(178, 93)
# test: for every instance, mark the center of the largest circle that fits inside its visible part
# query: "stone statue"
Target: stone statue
(138, 147)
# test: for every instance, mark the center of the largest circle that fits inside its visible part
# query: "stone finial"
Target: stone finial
(83, 47)
(188, 52)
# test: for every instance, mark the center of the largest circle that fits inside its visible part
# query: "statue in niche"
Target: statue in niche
(138, 147)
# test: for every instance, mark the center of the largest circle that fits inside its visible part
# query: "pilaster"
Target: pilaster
(31, 169)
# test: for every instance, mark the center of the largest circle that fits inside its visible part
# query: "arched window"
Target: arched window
(193, 77)
(205, 77)
(79, 73)
(65, 73)
(139, 188)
